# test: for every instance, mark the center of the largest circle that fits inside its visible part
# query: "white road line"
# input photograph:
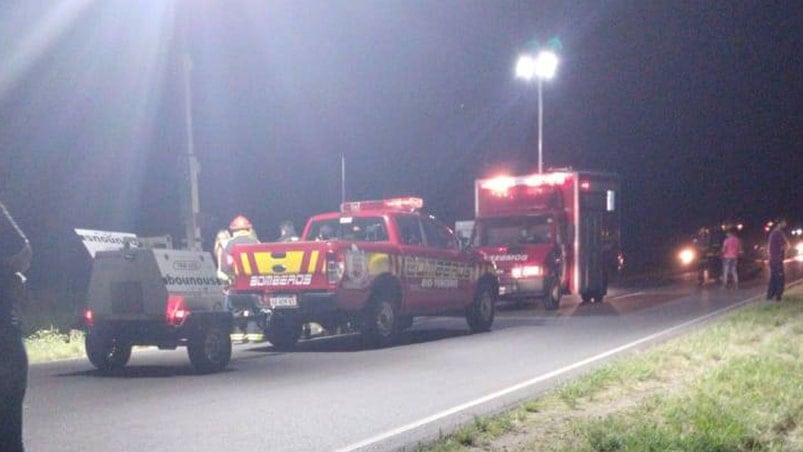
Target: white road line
(632, 294)
(524, 384)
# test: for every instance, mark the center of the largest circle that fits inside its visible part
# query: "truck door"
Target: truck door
(414, 263)
(593, 281)
(451, 279)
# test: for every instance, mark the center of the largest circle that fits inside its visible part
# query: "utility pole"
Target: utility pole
(191, 202)
(342, 177)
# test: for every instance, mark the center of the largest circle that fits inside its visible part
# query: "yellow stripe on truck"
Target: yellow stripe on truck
(246, 263)
(291, 262)
(313, 262)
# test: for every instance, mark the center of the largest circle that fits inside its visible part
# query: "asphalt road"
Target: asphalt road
(331, 395)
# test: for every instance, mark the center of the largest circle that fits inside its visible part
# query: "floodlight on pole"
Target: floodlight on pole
(542, 67)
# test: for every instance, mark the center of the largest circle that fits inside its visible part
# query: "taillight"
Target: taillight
(176, 311)
(89, 318)
(335, 267)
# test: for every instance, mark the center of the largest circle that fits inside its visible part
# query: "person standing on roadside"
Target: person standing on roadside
(731, 249)
(777, 243)
(702, 244)
(15, 259)
(240, 305)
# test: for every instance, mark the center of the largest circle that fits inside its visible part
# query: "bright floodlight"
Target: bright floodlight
(542, 66)
(525, 67)
(546, 64)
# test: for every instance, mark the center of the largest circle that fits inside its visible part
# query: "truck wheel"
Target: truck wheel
(380, 322)
(283, 332)
(210, 349)
(105, 352)
(480, 313)
(552, 295)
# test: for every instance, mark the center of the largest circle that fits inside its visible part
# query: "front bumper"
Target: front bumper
(521, 288)
(308, 304)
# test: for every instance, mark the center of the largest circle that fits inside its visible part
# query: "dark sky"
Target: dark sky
(698, 105)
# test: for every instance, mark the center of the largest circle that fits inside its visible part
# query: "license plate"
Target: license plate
(283, 301)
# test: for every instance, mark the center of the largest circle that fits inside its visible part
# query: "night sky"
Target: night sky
(697, 104)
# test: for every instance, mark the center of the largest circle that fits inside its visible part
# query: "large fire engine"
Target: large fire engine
(549, 233)
(371, 267)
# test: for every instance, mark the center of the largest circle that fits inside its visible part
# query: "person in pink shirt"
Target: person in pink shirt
(731, 249)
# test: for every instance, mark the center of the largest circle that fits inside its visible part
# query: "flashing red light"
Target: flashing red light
(406, 204)
(500, 185)
(537, 180)
(585, 185)
(89, 318)
(176, 311)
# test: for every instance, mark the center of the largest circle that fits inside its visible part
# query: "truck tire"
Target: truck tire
(380, 321)
(105, 352)
(552, 294)
(210, 349)
(283, 331)
(480, 313)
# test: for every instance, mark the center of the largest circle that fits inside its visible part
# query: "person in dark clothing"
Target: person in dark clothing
(777, 243)
(702, 244)
(287, 232)
(15, 259)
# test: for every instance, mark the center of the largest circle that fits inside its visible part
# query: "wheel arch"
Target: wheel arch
(387, 283)
(490, 280)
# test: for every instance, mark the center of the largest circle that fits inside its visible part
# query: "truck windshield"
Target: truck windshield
(514, 231)
(365, 229)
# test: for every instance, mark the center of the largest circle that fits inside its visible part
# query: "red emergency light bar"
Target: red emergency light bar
(502, 184)
(405, 204)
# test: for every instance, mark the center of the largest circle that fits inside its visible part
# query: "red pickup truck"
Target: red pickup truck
(372, 267)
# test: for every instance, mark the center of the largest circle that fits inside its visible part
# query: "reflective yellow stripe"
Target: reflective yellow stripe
(246, 263)
(313, 262)
(291, 262)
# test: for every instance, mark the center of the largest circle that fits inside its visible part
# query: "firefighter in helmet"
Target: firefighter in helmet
(241, 232)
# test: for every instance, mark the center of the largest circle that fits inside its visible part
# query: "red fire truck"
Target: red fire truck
(370, 267)
(549, 233)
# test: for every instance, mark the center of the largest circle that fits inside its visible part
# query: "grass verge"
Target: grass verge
(735, 384)
(48, 318)
(51, 344)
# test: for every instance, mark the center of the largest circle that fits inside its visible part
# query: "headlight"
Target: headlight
(686, 256)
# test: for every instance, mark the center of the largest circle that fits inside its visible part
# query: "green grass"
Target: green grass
(48, 319)
(50, 345)
(733, 385)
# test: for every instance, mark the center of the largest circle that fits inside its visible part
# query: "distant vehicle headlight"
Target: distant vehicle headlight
(686, 256)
